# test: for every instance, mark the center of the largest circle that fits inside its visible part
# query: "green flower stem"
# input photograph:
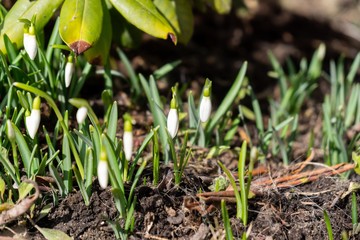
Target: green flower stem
(60, 118)
(126, 170)
(16, 160)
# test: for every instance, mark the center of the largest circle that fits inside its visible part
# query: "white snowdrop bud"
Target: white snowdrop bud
(173, 119)
(102, 169)
(30, 43)
(32, 121)
(81, 115)
(69, 70)
(205, 106)
(128, 139)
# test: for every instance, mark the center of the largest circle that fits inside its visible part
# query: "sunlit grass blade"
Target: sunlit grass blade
(351, 108)
(231, 178)
(354, 210)
(112, 122)
(315, 66)
(10, 49)
(120, 200)
(139, 152)
(279, 73)
(241, 174)
(23, 148)
(81, 185)
(89, 170)
(67, 165)
(159, 117)
(130, 219)
(113, 162)
(134, 80)
(193, 114)
(226, 220)
(162, 71)
(257, 112)
(58, 179)
(8, 166)
(76, 88)
(156, 157)
(135, 180)
(155, 92)
(328, 225)
(353, 70)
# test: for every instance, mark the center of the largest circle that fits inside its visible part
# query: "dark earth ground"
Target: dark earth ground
(217, 50)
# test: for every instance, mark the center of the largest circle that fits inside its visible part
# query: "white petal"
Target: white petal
(32, 122)
(103, 174)
(205, 109)
(81, 115)
(30, 45)
(173, 122)
(69, 71)
(128, 144)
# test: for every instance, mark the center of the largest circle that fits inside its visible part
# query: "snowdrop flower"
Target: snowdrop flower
(32, 120)
(81, 115)
(173, 119)
(128, 139)
(69, 70)
(205, 105)
(29, 41)
(102, 169)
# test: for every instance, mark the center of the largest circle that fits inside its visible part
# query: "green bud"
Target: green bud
(37, 103)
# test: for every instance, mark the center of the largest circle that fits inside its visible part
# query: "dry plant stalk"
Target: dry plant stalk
(20, 208)
(295, 176)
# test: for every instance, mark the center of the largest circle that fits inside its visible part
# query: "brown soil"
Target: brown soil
(217, 50)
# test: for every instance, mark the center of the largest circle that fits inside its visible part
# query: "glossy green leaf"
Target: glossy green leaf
(179, 14)
(144, 15)
(81, 23)
(99, 53)
(26, 9)
(124, 34)
(222, 6)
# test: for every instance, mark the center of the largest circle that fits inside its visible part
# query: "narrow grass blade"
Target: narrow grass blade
(58, 179)
(67, 166)
(8, 165)
(113, 162)
(135, 180)
(140, 151)
(227, 225)
(89, 170)
(112, 122)
(156, 157)
(134, 80)
(241, 174)
(23, 147)
(81, 185)
(162, 71)
(193, 113)
(228, 100)
(236, 190)
(354, 209)
(328, 225)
